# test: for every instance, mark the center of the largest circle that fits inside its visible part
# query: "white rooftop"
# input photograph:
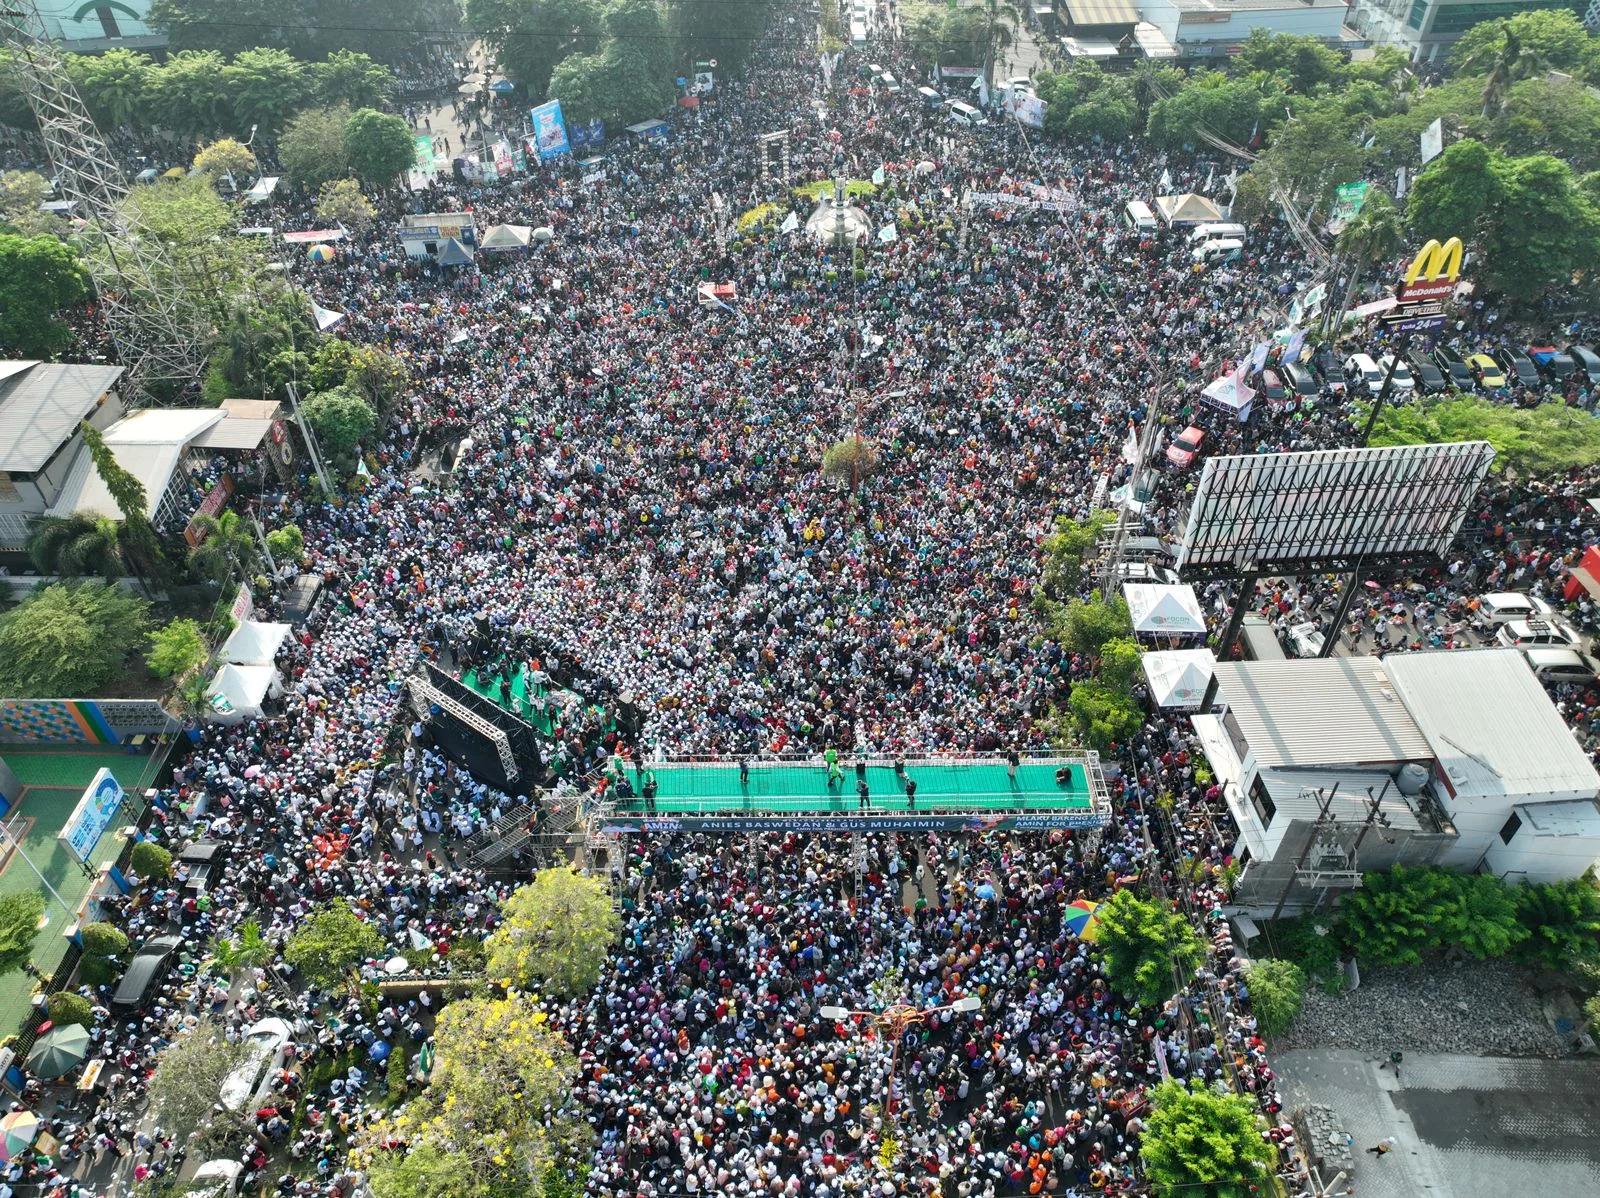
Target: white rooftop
(1575, 817)
(149, 445)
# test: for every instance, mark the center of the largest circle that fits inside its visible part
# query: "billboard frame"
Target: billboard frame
(96, 811)
(1323, 511)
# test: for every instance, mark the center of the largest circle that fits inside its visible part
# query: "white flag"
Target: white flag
(790, 223)
(878, 176)
(1166, 182)
(1130, 447)
(887, 233)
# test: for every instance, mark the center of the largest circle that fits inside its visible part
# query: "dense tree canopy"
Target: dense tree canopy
(39, 276)
(1199, 1143)
(556, 934)
(68, 640)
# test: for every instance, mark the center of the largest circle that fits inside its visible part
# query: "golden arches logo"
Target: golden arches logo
(1435, 261)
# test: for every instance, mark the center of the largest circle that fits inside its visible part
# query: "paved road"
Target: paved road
(1468, 1127)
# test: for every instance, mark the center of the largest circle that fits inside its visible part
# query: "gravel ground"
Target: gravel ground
(1477, 1007)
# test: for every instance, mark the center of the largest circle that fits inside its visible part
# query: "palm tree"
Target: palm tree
(1373, 236)
(238, 954)
(997, 32)
(1508, 62)
(77, 546)
(226, 549)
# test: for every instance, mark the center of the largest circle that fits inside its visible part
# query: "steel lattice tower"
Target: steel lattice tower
(159, 336)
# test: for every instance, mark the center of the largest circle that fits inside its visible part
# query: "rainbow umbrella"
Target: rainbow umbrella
(1080, 918)
(320, 253)
(17, 1131)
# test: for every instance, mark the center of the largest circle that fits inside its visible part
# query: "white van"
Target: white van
(1563, 665)
(1502, 607)
(930, 97)
(1226, 250)
(1216, 232)
(1361, 366)
(1137, 216)
(964, 114)
(890, 84)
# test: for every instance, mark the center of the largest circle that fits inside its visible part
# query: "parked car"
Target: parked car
(1455, 368)
(1554, 364)
(1302, 379)
(1563, 665)
(1359, 368)
(1586, 361)
(200, 865)
(1403, 381)
(1502, 607)
(1429, 377)
(1329, 367)
(145, 973)
(1519, 633)
(1487, 371)
(215, 1179)
(1185, 446)
(266, 1043)
(1271, 385)
(1306, 640)
(1515, 364)
(1145, 572)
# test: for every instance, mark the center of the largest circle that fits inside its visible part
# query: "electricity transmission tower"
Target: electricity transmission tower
(159, 336)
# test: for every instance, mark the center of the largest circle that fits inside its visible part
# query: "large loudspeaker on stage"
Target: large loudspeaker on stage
(492, 743)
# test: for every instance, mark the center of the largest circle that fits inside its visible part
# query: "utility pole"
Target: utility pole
(1325, 800)
(310, 439)
(1401, 345)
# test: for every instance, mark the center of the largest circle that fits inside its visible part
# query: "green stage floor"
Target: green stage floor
(941, 786)
(489, 688)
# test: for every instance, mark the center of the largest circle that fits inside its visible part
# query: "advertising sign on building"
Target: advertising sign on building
(1428, 283)
(92, 816)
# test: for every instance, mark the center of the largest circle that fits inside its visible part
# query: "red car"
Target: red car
(1185, 445)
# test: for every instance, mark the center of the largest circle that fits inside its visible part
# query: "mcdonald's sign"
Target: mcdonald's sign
(1433, 273)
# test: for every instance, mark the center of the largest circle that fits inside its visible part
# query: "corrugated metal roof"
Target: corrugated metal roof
(1492, 726)
(1336, 711)
(1102, 12)
(41, 405)
(1293, 794)
(149, 444)
(233, 434)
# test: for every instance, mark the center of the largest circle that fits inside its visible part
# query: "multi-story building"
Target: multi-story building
(1206, 28)
(1426, 29)
(85, 26)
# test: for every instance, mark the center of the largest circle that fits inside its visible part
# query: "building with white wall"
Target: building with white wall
(1201, 28)
(1337, 766)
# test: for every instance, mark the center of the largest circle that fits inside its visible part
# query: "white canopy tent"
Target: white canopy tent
(1229, 394)
(1160, 609)
(506, 237)
(1178, 677)
(237, 692)
(254, 643)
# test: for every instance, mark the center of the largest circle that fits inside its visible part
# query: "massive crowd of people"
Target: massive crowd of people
(639, 496)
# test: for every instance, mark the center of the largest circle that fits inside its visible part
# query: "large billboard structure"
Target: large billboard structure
(1326, 510)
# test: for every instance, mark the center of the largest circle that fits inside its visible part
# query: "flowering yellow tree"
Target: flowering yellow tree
(493, 1115)
(555, 935)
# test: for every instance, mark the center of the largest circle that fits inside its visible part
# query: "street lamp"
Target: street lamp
(894, 1022)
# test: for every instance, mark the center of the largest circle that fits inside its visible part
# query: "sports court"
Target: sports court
(53, 780)
(958, 786)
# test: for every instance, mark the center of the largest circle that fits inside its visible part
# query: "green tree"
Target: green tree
(1457, 191)
(726, 32)
(531, 36)
(21, 194)
(76, 546)
(1277, 989)
(176, 649)
(1212, 104)
(1558, 116)
(341, 203)
(1143, 944)
(375, 375)
(244, 950)
(1371, 238)
(1541, 442)
(225, 156)
(1084, 625)
(1542, 231)
(1311, 155)
(1400, 916)
(20, 914)
(39, 276)
(1105, 715)
(350, 77)
(997, 24)
(379, 145)
(1120, 660)
(1199, 1143)
(286, 543)
(266, 86)
(1304, 61)
(227, 550)
(341, 419)
(499, 1072)
(189, 1074)
(1563, 922)
(326, 947)
(1553, 38)
(101, 939)
(190, 95)
(117, 85)
(313, 149)
(65, 1009)
(1066, 548)
(151, 861)
(141, 546)
(555, 935)
(68, 640)
(851, 460)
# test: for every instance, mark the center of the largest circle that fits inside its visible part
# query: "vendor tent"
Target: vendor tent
(453, 253)
(237, 692)
(1178, 677)
(1187, 209)
(1159, 609)
(506, 237)
(254, 643)
(1229, 394)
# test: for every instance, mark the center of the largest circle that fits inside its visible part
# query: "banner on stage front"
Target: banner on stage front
(895, 822)
(550, 131)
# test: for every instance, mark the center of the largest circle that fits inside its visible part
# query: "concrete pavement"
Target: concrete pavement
(1467, 1127)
